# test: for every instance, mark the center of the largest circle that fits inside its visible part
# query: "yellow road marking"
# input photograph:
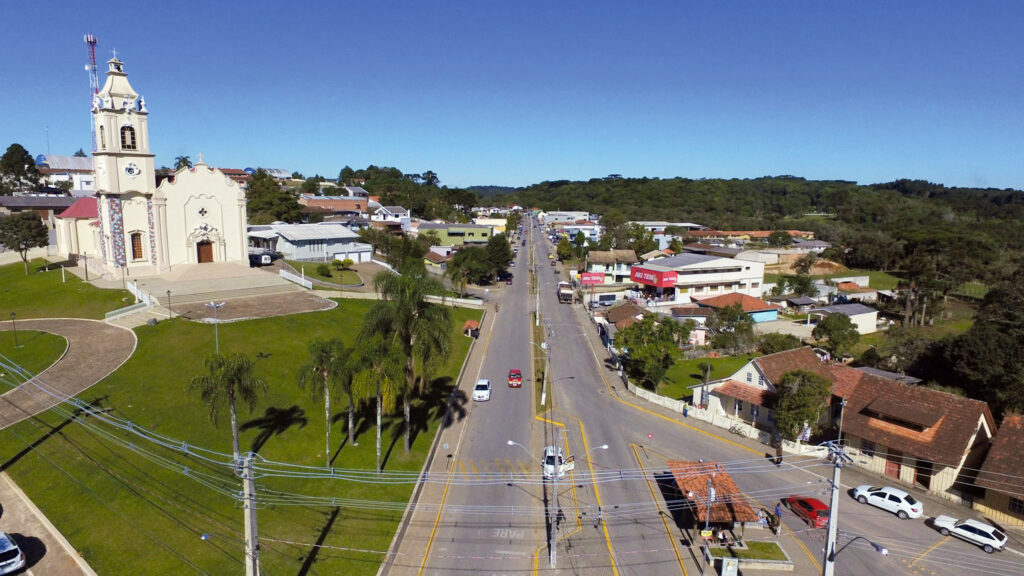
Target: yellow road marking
(660, 511)
(448, 480)
(597, 496)
(925, 553)
(476, 471)
(462, 470)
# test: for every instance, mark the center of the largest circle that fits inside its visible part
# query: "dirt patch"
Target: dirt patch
(820, 268)
(257, 307)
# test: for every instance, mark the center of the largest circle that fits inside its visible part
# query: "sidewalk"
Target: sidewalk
(46, 550)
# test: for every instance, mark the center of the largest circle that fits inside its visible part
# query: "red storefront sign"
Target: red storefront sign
(589, 278)
(656, 278)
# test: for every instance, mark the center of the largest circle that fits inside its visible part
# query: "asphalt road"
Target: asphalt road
(494, 510)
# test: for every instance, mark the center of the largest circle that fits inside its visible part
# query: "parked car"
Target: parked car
(524, 243)
(508, 281)
(554, 459)
(482, 390)
(12, 558)
(515, 379)
(985, 535)
(553, 262)
(813, 511)
(897, 501)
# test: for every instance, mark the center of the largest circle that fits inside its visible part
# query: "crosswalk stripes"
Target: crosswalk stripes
(479, 469)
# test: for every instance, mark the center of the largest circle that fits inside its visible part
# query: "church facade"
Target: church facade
(132, 226)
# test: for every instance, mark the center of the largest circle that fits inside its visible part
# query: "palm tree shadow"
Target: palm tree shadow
(274, 422)
(434, 406)
(395, 425)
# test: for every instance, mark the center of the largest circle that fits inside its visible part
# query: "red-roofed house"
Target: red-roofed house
(913, 434)
(1002, 474)
(74, 227)
(718, 503)
(757, 309)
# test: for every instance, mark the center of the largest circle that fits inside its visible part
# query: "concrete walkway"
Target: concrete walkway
(95, 349)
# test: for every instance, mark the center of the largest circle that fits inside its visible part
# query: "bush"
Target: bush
(772, 343)
(324, 270)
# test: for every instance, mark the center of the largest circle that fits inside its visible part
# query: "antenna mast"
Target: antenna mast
(94, 82)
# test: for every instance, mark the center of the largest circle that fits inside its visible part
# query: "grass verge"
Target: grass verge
(35, 352)
(347, 277)
(754, 551)
(685, 373)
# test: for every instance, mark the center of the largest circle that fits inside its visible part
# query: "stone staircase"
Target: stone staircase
(139, 317)
(222, 295)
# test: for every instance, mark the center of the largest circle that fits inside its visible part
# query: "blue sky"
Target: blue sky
(514, 93)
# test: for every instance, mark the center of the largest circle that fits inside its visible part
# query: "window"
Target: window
(127, 138)
(738, 405)
(1016, 506)
(103, 138)
(137, 246)
(760, 381)
(867, 448)
(750, 378)
(755, 284)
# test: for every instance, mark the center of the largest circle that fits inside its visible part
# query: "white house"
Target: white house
(321, 242)
(391, 214)
(863, 317)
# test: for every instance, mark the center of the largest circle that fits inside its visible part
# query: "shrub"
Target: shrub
(324, 270)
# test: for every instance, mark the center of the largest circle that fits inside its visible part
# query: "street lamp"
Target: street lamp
(14, 328)
(842, 412)
(216, 323)
(168, 304)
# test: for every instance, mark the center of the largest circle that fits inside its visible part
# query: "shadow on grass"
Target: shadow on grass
(274, 422)
(95, 404)
(307, 563)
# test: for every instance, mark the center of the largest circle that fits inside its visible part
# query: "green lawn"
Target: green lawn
(754, 551)
(684, 373)
(347, 277)
(41, 294)
(35, 352)
(128, 515)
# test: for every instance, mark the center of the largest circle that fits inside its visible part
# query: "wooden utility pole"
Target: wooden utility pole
(252, 545)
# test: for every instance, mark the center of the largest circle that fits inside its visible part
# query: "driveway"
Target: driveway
(798, 328)
(95, 349)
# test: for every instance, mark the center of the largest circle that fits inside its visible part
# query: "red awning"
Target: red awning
(657, 278)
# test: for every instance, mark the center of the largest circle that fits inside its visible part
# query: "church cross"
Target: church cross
(114, 52)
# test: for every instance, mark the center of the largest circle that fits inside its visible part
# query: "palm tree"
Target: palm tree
(328, 370)
(421, 330)
(379, 363)
(182, 162)
(458, 271)
(230, 378)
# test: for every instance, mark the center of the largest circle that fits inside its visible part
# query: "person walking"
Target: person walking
(778, 518)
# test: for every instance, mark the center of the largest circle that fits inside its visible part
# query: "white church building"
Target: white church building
(132, 226)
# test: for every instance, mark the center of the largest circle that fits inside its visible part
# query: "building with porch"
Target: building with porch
(712, 497)
(614, 264)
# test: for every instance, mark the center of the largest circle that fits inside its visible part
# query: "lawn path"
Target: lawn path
(95, 349)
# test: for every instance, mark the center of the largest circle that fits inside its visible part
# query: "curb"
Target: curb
(49, 526)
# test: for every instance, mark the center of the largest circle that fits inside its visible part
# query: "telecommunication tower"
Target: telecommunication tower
(94, 82)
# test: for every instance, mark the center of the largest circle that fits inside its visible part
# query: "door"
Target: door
(204, 252)
(892, 463)
(923, 473)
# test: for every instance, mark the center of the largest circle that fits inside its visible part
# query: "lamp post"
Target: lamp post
(14, 328)
(168, 304)
(85, 263)
(842, 412)
(216, 323)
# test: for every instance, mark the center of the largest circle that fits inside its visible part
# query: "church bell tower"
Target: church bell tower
(123, 167)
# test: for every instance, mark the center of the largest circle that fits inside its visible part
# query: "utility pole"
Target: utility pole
(252, 545)
(553, 545)
(839, 457)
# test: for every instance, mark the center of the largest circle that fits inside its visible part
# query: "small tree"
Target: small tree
(804, 263)
(801, 396)
(839, 333)
(564, 249)
(182, 162)
(346, 264)
(323, 270)
(18, 167)
(651, 346)
(779, 238)
(23, 231)
(777, 342)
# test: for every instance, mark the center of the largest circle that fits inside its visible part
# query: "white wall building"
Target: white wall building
(681, 278)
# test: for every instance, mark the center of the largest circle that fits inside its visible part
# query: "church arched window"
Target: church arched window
(137, 246)
(103, 138)
(128, 138)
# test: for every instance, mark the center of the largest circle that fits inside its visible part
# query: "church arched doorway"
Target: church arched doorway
(204, 251)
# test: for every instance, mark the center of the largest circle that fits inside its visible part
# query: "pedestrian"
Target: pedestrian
(721, 537)
(599, 518)
(778, 453)
(778, 510)
(760, 517)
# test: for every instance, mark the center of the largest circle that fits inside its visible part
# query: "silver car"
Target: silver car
(988, 537)
(482, 390)
(897, 501)
(12, 558)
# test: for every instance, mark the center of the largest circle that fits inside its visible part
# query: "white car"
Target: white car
(482, 390)
(554, 459)
(988, 537)
(897, 501)
(12, 558)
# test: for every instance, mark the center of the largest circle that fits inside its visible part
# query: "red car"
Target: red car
(515, 379)
(813, 511)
